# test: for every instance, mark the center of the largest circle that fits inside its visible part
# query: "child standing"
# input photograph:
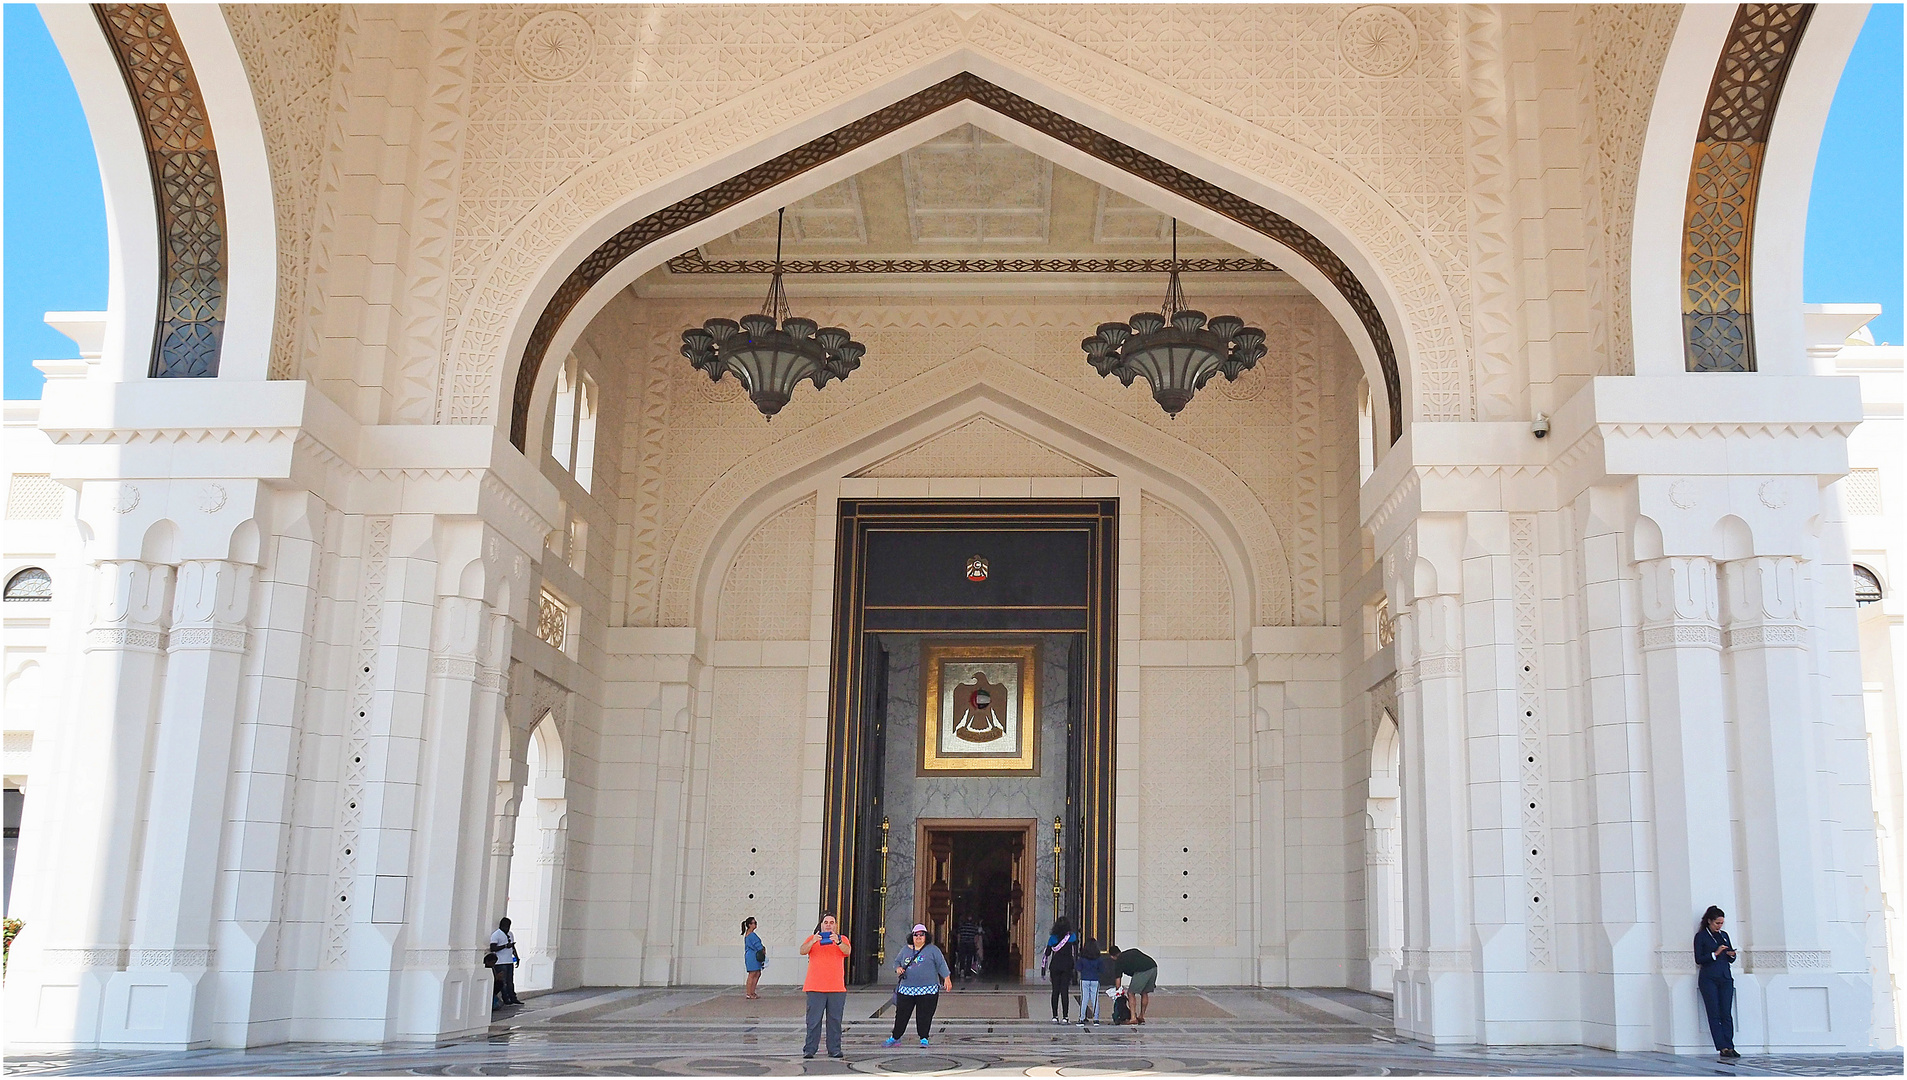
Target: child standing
(1089, 981)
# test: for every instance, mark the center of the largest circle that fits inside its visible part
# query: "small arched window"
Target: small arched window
(1867, 587)
(32, 583)
(573, 426)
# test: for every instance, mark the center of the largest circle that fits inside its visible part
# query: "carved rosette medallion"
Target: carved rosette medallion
(126, 499)
(554, 45)
(212, 498)
(1377, 41)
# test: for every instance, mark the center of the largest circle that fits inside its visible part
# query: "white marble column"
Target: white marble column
(1383, 951)
(1689, 773)
(673, 748)
(1439, 977)
(157, 1001)
(77, 941)
(446, 990)
(1789, 851)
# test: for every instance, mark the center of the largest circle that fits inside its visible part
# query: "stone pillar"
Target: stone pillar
(1788, 850)
(1268, 774)
(673, 745)
(1695, 859)
(1382, 949)
(446, 989)
(251, 944)
(157, 1001)
(1439, 977)
(94, 804)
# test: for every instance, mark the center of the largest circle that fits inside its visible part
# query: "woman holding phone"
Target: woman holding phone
(826, 985)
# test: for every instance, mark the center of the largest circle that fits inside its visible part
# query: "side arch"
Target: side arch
(979, 382)
(1692, 107)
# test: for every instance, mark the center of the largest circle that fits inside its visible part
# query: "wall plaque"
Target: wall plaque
(980, 709)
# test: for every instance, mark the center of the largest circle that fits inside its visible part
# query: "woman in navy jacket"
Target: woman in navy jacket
(1713, 955)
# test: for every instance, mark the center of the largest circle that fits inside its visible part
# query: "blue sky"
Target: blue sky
(55, 228)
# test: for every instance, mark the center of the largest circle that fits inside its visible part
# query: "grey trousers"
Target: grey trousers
(829, 1004)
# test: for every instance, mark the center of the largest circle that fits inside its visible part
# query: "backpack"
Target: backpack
(1121, 1012)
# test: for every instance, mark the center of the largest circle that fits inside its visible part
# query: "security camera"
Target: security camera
(1540, 426)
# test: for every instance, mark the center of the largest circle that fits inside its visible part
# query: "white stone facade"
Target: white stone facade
(334, 674)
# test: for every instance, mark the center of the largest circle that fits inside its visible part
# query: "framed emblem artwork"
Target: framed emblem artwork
(979, 714)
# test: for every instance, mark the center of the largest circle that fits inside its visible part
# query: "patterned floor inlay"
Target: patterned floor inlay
(706, 1031)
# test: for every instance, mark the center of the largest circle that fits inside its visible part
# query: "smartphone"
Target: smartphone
(827, 938)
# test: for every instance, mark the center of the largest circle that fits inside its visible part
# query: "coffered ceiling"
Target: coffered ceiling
(967, 192)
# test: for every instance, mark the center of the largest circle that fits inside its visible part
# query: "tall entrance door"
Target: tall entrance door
(972, 889)
(971, 724)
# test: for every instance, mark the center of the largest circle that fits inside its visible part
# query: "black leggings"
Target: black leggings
(920, 1008)
(1062, 991)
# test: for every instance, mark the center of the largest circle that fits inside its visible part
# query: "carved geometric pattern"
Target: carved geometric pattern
(752, 837)
(186, 186)
(962, 87)
(344, 877)
(1185, 593)
(36, 497)
(693, 262)
(979, 447)
(765, 594)
(1724, 182)
(290, 53)
(1532, 742)
(1629, 44)
(1187, 752)
(552, 620)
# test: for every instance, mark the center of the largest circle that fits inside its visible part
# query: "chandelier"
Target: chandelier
(1175, 348)
(771, 351)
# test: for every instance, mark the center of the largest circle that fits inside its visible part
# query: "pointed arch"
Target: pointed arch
(980, 382)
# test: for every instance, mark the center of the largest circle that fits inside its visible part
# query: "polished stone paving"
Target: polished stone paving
(709, 1031)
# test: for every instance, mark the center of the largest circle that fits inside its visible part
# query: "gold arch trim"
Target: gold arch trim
(1724, 182)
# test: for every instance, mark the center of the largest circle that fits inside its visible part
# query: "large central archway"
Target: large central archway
(1313, 262)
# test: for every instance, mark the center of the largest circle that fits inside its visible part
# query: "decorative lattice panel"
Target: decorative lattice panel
(766, 594)
(1185, 593)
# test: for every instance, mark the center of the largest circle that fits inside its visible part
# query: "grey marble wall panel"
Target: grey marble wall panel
(910, 797)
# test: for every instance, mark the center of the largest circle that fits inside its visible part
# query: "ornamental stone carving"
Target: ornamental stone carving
(554, 45)
(1377, 41)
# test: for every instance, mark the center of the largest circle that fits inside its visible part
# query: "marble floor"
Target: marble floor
(710, 1031)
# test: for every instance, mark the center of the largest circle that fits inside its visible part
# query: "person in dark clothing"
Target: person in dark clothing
(967, 946)
(1141, 973)
(1713, 954)
(1058, 958)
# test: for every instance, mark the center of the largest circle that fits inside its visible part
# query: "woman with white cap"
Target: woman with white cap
(924, 974)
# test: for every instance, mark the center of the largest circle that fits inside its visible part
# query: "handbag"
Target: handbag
(761, 954)
(895, 998)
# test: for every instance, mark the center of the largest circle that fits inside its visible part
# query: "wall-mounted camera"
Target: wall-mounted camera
(1540, 426)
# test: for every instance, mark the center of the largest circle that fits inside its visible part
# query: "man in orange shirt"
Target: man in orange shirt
(827, 953)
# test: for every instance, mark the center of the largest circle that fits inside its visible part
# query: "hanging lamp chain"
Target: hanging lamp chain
(1174, 292)
(776, 306)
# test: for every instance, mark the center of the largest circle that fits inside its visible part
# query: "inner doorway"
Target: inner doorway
(974, 890)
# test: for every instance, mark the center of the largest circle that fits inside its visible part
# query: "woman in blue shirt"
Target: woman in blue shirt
(924, 974)
(754, 957)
